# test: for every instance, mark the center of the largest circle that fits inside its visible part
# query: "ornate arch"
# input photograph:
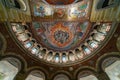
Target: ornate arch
(36, 68)
(61, 77)
(37, 73)
(18, 57)
(23, 5)
(18, 4)
(13, 63)
(106, 56)
(62, 72)
(85, 71)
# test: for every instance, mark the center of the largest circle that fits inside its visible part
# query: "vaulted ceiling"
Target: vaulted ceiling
(62, 37)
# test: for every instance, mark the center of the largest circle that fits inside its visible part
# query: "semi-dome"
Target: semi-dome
(59, 40)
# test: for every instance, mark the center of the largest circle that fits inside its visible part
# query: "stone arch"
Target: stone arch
(106, 65)
(61, 77)
(66, 74)
(10, 66)
(104, 57)
(36, 75)
(85, 71)
(18, 57)
(38, 69)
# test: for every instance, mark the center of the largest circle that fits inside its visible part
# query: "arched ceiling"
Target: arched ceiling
(60, 39)
(61, 34)
(60, 2)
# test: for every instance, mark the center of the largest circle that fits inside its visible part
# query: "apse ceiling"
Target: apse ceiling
(61, 34)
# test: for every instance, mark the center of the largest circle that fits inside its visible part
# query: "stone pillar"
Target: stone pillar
(103, 76)
(20, 76)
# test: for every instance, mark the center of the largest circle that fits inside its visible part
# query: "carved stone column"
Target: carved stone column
(103, 76)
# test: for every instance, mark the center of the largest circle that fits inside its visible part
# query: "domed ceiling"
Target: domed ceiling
(54, 41)
(61, 34)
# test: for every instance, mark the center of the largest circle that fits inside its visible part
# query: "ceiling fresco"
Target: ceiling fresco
(52, 42)
(77, 11)
(61, 35)
(59, 40)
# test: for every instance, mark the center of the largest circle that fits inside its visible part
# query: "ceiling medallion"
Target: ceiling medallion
(60, 12)
(61, 36)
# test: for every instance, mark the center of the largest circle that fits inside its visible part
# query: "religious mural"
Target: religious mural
(79, 10)
(42, 10)
(60, 35)
(76, 11)
(60, 12)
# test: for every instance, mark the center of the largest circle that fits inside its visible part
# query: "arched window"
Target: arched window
(61, 77)
(36, 75)
(57, 58)
(79, 53)
(35, 49)
(23, 36)
(107, 3)
(42, 53)
(71, 56)
(49, 56)
(112, 68)
(64, 57)
(99, 36)
(18, 4)
(104, 28)
(93, 44)
(86, 49)
(86, 75)
(29, 44)
(9, 67)
(17, 28)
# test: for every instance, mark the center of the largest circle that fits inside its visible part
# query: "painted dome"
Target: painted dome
(61, 34)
